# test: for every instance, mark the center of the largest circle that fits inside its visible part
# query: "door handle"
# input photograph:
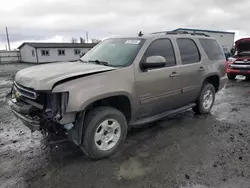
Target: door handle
(201, 69)
(174, 74)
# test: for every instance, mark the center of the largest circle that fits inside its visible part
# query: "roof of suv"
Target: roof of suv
(169, 35)
(160, 35)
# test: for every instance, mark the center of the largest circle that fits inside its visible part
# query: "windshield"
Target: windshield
(115, 52)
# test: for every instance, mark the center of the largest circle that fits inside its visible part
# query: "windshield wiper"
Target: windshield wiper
(82, 61)
(99, 62)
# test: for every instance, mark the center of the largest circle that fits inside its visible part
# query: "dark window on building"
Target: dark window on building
(33, 53)
(61, 52)
(213, 49)
(164, 48)
(77, 51)
(45, 52)
(188, 51)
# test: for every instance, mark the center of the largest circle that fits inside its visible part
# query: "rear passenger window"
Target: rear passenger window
(212, 49)
(189, 51)
(164, 48)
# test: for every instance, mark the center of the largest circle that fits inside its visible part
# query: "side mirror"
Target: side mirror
(153, 62)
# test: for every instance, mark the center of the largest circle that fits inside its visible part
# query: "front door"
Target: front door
(158, 89)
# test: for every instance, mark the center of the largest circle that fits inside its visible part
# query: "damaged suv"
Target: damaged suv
(239, 64)
(121, 82)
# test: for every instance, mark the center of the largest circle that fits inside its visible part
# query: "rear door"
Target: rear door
(216, 58)
(192, 70)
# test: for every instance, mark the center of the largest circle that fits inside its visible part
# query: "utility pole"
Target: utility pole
(87, 37)
(7, 35)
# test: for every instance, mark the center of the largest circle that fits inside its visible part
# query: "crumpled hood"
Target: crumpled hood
(43, 77)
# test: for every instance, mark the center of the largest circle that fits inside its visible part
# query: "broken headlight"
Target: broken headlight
(56, 105)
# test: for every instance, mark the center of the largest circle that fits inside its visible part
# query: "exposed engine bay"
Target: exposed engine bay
(242, 48)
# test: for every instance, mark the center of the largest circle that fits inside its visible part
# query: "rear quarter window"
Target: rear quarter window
(213, 49)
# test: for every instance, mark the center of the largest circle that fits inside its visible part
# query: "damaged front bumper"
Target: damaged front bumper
(21, 110)
(48, 115)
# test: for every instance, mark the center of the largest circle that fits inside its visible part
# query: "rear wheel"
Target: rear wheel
(105, 129)
(205, 101)
(231, 76)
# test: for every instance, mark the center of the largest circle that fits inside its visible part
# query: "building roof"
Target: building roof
(58, 45)
(203, 30)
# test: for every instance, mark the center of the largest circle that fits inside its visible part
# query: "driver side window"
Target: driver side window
(164, 48)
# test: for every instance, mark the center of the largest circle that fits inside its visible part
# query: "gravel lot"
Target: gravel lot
(182, 151)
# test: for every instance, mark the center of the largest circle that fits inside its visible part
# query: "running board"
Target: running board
(162, 115)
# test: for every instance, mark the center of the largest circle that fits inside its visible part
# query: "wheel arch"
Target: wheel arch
(76, 133)
(213, 79)
(118, 100)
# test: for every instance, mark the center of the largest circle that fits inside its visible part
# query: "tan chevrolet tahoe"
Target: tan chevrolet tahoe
(121, 82)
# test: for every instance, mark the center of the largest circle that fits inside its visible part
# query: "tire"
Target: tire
(248, 78)
(231, 76)
(96, 123)
(200, 107)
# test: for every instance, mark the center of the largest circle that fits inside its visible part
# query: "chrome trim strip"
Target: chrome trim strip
(190, 88)
(239, 66)
(160, 96)
(244, 62)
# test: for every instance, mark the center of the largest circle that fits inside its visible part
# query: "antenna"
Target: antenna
(140, 34)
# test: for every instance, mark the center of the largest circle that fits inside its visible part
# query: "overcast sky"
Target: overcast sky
(59, 20)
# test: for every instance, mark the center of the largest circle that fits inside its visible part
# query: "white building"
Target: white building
(226, 39)
(9, 56)
(53, 52)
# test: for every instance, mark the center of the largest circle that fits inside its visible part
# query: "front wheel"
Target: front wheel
(205, 101)
(105, 130)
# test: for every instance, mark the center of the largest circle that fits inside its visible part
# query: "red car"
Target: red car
(239, 64)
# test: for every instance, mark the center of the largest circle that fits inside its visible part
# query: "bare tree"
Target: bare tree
(74, 40)
(82, 40)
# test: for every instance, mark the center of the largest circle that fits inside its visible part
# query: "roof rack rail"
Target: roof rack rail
(201, 34)
(181, 32)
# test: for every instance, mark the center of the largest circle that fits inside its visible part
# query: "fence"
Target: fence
(9, 56)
